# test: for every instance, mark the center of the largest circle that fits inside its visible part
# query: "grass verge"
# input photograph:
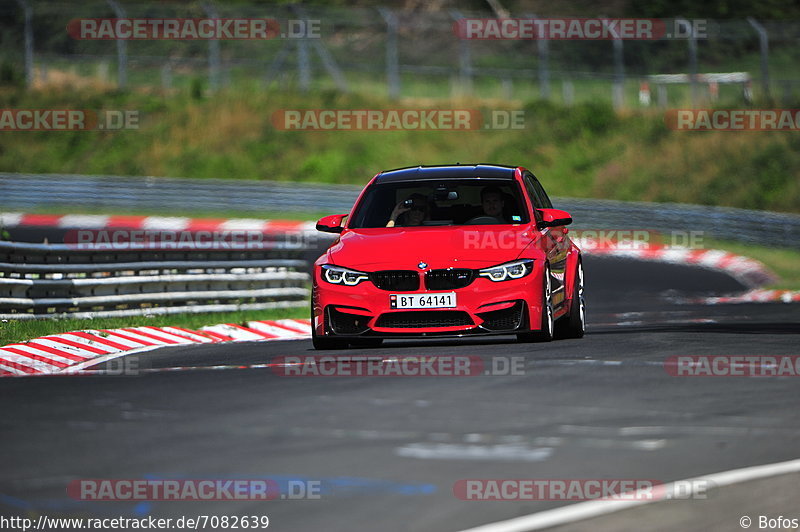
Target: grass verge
(583, 150)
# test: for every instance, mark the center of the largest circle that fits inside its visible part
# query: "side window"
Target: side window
(535, 200)
(542, 194)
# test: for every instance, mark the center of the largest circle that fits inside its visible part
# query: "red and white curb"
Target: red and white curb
(753, 296)
(750, 272)
(74, 351)
(152, 223)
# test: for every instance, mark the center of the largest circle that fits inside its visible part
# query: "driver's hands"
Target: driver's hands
(398, 210)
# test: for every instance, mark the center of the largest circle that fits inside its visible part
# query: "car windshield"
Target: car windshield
(441, 202)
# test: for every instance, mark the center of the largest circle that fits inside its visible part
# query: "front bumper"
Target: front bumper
(483, 307)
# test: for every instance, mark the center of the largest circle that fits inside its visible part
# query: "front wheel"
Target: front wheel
(548, 324)
(574, 324)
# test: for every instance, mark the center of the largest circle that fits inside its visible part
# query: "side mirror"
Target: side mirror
(331, 224)
(553, 218)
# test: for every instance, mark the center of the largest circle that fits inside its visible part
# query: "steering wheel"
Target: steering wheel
(483, 219)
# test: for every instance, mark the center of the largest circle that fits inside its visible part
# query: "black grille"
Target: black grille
(344, 323)
(506, 319)
(424, 318)
(395, 280)
(448, 279)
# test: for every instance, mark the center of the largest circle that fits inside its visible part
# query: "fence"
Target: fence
(37, 191)
(398, 53)
(49, 280)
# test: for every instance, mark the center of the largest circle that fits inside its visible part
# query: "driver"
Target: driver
(493, 202)
(414, 215)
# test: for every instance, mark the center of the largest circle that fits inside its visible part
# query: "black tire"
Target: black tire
(573, 325)
(547, 332)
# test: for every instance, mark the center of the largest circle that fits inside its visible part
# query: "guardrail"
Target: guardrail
(33, 191)
(36, 191)
(52, 280)
(756, 227)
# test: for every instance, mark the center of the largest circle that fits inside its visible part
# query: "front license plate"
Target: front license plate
(439, 300)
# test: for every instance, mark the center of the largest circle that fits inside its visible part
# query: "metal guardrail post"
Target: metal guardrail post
(392, 62)
(464, 57)
(543, 49)
(303, 56)
(618, 90)
(324, 54)
(692, 57)
(276, 65)
(122, 49)
(166, 76)
(303, 65)
(568, 92)
(28, 14)
(763, 41)
(213, 53)
(330, 64)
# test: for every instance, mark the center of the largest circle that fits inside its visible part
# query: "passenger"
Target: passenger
(493, 202)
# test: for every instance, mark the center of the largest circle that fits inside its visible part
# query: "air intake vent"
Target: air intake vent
(424, 319)
(448, 279)
(507, 319)
(395, 280)
(344, 323)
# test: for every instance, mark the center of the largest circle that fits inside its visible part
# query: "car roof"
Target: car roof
(449, 171)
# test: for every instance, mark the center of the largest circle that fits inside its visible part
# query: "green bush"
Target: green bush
(586, 150)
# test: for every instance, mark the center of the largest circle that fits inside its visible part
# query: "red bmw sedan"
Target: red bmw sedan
(459, 250)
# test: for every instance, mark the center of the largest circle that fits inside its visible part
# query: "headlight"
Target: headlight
(510, 270)
(338, 275)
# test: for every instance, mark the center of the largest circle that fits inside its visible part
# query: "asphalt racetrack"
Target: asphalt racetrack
(387, 451)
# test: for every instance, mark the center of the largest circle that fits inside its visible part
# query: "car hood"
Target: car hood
(438, 247)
